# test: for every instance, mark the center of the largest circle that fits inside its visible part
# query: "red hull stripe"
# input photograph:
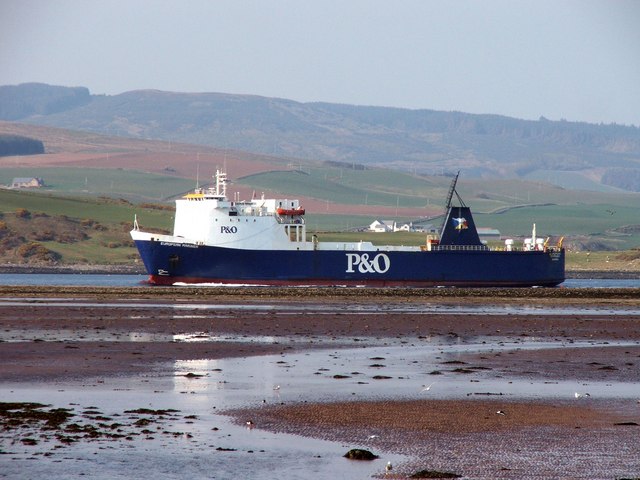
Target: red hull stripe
(168, 280)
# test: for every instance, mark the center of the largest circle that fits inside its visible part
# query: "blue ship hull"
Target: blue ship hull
(169, 263)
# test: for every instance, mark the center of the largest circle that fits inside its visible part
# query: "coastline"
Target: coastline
(615, 297)
(77, 269)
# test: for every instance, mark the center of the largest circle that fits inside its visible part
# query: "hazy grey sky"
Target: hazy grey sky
(572, 59)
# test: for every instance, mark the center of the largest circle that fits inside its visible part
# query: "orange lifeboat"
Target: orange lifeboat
(290, 211)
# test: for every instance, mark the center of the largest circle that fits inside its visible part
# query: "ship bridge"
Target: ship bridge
(208, 217)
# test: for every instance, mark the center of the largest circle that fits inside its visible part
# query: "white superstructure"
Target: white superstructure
(208, 217)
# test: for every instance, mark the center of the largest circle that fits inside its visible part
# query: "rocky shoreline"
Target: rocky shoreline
(73, 269)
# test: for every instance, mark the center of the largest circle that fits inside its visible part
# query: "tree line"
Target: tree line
(18, 145)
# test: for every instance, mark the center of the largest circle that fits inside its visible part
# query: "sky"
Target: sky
(577, 60)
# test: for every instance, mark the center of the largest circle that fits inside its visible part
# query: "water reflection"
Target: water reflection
(101, 335)
(383, 371)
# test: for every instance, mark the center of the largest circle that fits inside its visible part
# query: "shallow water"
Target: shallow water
(254, 381)
(327, 308)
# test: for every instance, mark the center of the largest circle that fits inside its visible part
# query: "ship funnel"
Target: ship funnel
(458, 227)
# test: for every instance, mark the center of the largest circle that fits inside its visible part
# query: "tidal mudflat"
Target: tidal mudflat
(257, 384)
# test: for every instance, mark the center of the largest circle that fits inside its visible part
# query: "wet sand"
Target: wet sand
(463, 435)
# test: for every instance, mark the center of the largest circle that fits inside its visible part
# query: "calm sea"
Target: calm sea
(141, 280)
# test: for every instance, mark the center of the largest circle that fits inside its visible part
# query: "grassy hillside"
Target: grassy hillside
(102, 210)
(352, 187)
(37, 228)
(387, 188)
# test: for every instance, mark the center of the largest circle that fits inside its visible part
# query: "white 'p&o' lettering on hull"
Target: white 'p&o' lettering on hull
(378, 264)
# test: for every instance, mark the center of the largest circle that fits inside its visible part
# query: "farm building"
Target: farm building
(383, 226)
(27, 182)
(393, 226)
(487, 234)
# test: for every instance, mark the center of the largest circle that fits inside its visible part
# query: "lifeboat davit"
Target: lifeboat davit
(290, 211)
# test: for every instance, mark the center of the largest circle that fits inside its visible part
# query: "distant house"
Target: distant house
(27, 182)
(487, 234)
(383, 226)
(428, 228)
(393, 226)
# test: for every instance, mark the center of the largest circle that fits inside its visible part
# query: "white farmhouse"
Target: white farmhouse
(383, 226)
(27, 182)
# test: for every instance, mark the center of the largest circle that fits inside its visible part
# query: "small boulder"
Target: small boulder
(360, 454)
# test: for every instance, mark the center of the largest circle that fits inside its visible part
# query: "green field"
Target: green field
(102, 210)
(394, 188)
(561, 219)
(130, 184)
(352, 188)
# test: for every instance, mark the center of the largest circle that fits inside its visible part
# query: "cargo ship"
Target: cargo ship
(264, 242)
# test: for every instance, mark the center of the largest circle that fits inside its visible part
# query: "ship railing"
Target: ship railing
(289, 219)
(523, 249)
(465, 248)
(485, 248)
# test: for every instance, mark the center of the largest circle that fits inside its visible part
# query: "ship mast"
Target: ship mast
(452, 190)
(221, 184)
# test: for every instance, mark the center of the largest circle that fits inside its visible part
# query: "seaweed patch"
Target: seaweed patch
(34, 424)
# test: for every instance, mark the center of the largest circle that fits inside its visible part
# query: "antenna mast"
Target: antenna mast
(452, 190)
(198, 172)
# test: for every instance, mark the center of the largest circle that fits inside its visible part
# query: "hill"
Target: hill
(570, 154)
